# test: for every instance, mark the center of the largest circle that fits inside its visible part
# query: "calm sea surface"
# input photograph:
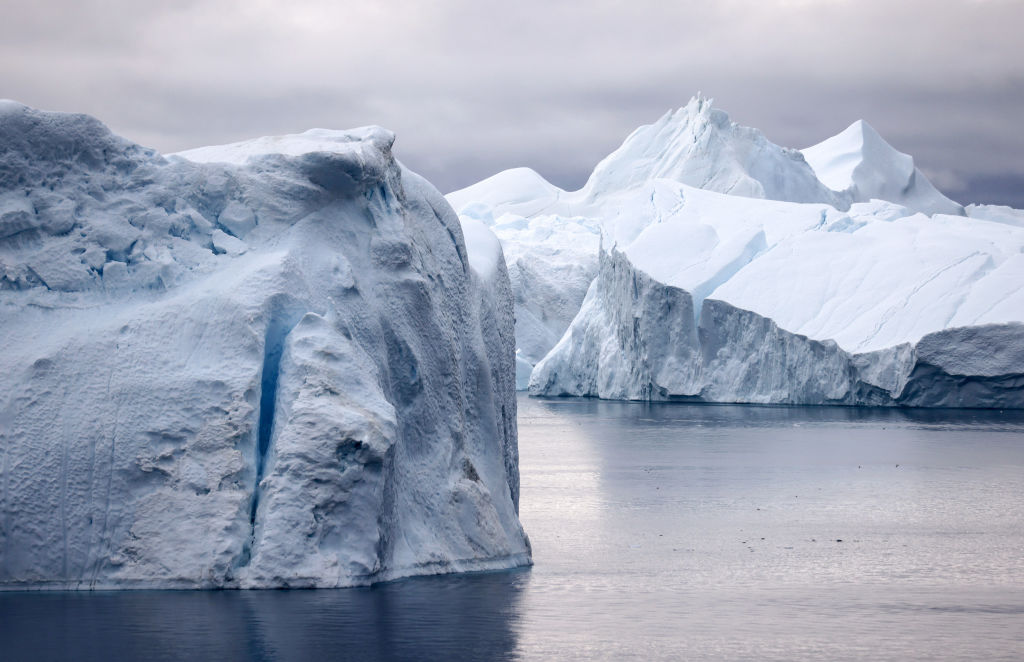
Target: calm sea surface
(660, 532)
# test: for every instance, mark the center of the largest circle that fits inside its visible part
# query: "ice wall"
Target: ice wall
(637, 338)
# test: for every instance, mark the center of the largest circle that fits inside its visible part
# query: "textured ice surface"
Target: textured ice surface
(733, 271)
(997, 214)
(637, 338)
(276, 368)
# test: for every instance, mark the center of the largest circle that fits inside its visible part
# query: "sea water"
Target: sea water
(660, 532)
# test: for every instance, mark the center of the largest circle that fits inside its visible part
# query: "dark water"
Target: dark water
(659, 532)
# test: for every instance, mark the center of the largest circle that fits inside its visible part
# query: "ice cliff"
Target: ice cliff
(728, 269)
(265, 364)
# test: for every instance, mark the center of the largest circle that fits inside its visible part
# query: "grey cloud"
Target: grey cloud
(995, 189)
(475, 87)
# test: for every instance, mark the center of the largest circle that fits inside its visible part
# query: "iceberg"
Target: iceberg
(279, 363)
(729, 269)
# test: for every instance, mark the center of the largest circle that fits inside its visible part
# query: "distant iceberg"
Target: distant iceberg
(277, 363)
(728, 269)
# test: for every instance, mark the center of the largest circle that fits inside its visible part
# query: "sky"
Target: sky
(475, 87)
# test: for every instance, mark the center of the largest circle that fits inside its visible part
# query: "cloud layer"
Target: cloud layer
(473, 87)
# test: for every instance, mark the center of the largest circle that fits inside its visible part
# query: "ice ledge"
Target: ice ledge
(329, 141)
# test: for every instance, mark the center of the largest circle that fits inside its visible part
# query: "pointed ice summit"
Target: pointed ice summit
(698, 145)
(860, 164)
(729, 269)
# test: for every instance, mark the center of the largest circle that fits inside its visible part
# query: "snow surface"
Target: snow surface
(730, 272)
(278, 368)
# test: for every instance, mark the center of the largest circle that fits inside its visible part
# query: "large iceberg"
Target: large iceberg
(266, 364)
(729, 269)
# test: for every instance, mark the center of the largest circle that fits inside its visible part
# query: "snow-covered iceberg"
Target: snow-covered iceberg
(265, 364)
(733, 270)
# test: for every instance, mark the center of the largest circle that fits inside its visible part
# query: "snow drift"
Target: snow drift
(734, 270)
(266, 364)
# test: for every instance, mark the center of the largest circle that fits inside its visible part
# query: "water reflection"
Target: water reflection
(430, 618)
(726, 415)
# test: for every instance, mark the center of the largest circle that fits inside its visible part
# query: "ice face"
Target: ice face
(277, 368)
(798, 304)
(636, 338)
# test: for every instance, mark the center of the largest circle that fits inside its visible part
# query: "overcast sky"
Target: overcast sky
(474, 87)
